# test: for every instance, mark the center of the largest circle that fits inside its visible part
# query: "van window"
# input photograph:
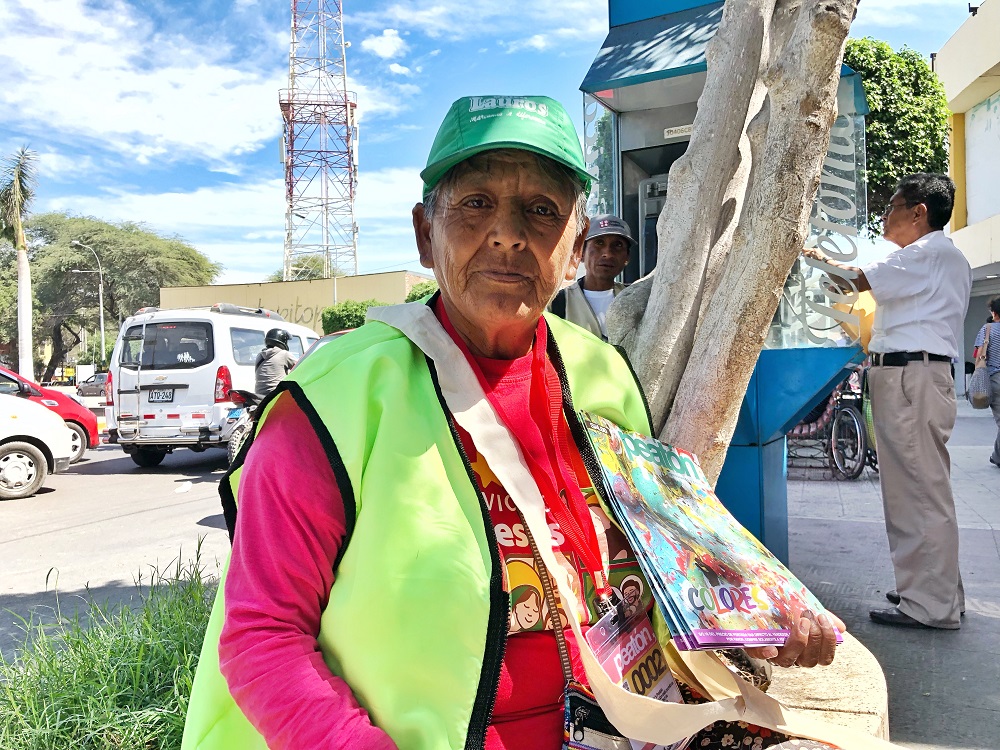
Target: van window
(248, 343)
(168, 346)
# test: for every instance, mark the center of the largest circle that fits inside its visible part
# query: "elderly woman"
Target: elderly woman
(384, 589)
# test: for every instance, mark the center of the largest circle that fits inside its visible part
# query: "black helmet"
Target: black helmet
(277, 337)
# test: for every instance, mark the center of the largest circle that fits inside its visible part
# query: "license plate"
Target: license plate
(161, 395)
(235, 413)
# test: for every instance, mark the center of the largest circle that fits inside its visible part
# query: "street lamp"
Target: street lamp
(100, 293)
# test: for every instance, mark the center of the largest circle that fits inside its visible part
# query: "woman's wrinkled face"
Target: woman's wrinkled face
(502, 240)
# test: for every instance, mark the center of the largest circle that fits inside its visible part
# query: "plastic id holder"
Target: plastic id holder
(631, 656)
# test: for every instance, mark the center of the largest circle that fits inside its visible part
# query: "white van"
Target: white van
(172, 370)
(34, 442)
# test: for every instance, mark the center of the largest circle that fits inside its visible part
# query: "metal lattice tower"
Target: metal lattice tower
(320, 142)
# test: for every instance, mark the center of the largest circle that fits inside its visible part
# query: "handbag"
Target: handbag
(978, 391)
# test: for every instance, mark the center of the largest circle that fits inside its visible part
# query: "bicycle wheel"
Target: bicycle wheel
(847, 444)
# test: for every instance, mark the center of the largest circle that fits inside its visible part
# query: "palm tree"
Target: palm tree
(17, 188)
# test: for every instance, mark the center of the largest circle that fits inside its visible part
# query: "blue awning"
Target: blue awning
(661, 47)
(671, 46)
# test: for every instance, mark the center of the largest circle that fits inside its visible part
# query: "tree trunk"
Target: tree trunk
(735, 218)
(25, 346)
(59, 349)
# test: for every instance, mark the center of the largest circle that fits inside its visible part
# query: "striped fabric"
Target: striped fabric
(993, 353)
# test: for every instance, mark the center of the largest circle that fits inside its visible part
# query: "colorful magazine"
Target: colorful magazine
(716, 585)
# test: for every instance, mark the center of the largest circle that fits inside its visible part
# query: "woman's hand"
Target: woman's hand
(812, 641)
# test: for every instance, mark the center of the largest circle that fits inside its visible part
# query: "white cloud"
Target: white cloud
(536, 42)
(466, 19)
(61, 167)
(229, 208)
(400, 70)
(387, 195)
(893, 13)
(374, 101)
(408, 89)
(387, 46)
(242, 225)
(105, 75)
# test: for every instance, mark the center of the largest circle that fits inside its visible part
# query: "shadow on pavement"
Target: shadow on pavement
(214, 522)
(16, 610)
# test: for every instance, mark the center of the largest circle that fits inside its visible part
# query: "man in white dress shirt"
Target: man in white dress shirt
(922, 293)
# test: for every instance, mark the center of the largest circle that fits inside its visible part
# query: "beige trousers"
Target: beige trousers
(914, 409)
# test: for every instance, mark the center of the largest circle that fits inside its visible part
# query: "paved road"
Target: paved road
(102, 525)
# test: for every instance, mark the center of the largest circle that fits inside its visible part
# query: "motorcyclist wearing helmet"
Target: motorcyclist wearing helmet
(273, 362)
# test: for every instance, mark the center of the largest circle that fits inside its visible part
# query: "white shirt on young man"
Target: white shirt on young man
(600, 302)
(922, 295)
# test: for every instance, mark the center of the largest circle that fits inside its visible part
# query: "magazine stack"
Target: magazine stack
(716, 585)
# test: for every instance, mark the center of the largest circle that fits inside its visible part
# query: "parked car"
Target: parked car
(92, 386)
(172, 372)
(34, 442)
(80, 420)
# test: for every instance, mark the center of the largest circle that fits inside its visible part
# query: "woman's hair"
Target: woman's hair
(994, 305)
(526, 593)
(564, 177)
(936, 191)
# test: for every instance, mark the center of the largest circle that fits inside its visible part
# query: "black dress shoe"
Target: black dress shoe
(893, 616)
(893, 597)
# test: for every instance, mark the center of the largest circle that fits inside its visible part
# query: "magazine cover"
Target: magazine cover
(716, 585)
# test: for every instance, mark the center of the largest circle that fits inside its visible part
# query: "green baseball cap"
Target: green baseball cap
(483, 123)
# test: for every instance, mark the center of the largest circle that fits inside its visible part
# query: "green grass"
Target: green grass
(114, 677)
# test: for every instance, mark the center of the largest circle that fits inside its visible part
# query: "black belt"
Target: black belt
(900, 359)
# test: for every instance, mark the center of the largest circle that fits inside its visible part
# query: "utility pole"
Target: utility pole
(319, 146)
(100, 294)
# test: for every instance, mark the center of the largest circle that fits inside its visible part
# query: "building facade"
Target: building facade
(300, 302)
(969, 67)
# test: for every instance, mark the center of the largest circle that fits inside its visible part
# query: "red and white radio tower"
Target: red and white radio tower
(320, 146)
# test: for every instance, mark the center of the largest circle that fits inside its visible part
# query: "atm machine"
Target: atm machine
(640, 99)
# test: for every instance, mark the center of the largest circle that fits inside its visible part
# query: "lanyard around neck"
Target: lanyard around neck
(561, 493)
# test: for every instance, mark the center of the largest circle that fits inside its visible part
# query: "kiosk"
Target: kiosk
(640, 99)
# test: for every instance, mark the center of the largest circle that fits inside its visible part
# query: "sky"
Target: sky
(165, 112)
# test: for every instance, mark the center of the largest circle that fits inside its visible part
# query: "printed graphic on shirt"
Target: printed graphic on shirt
(528, 608)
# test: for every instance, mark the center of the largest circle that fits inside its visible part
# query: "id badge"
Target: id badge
(629, 653)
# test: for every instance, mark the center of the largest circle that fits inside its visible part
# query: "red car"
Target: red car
(78, 418)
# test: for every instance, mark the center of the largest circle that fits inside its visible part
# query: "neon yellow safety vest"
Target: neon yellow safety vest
(417, 620)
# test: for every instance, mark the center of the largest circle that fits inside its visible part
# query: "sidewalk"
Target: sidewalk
(944, 686)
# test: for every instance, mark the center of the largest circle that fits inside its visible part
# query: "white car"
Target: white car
(172, 371)
(34, 442)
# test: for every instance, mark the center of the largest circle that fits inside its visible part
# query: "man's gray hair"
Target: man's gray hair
(563, 176)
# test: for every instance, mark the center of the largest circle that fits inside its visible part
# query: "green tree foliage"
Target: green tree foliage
(907, 129)
(345, 315)
(421, 290)
(136, 263)
(605, 164)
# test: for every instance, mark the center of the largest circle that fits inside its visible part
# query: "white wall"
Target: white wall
(982, 159)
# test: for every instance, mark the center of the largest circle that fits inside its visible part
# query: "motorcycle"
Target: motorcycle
(246, 405)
